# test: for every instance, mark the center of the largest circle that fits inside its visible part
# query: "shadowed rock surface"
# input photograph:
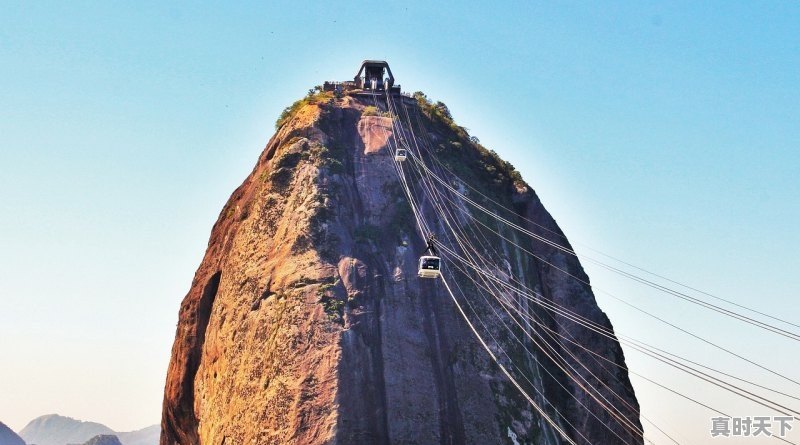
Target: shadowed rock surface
(306, 324)
(9, 437)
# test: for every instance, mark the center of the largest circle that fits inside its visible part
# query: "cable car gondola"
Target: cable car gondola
(430, 265)
(400, 154)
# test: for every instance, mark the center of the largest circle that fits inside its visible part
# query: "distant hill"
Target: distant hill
(104, 439)
(53, 429)
(144, 436)
(8, 437)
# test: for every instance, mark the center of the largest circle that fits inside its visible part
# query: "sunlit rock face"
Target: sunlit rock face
(306, 323)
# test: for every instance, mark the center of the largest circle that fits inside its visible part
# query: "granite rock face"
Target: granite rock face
(306, 324)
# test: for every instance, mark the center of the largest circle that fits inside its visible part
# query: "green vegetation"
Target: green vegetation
(289, 160)
(440, 113)
(370, 111)
(326, 288)
(281, 179)
(332, 306)
(288, 112)
(314, 96)
(374, 111)
(328, 158)
(459, 153)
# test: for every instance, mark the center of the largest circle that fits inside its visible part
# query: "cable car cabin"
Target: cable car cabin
(400, 154)
(429, 267)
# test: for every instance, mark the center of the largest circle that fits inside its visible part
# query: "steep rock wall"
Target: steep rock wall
(306, 324)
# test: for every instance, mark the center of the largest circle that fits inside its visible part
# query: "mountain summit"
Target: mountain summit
(306, 322)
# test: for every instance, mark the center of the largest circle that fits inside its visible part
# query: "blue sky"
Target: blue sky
(664, 134)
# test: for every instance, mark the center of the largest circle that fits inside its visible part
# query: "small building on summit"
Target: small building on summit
(373, 79)
(369, 78)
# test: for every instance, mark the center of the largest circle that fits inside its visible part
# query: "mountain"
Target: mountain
(53, 429)
(306, 322)
(9, 437)
(59, 430)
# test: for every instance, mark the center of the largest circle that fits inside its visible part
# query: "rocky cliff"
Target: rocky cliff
(306, 324)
